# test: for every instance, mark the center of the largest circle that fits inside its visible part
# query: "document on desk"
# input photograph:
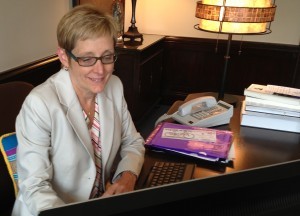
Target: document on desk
(203, 143)
(274, 93)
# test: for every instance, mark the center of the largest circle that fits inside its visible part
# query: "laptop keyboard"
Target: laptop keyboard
(169, 172)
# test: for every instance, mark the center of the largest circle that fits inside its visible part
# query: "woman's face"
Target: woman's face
(91, 79)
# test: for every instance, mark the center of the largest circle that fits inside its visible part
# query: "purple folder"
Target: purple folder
(205, 143)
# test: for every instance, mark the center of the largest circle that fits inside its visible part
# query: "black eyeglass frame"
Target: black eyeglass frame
(75, 58)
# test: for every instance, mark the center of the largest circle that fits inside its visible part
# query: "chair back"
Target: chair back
(12, 96)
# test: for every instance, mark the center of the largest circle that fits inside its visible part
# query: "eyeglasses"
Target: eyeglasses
(90, 61)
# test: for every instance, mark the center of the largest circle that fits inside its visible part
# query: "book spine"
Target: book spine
(254, 110)
(267, 114)
(272, 97)
(272, 115)
(256, 102)
(149, 139)
(270, 123)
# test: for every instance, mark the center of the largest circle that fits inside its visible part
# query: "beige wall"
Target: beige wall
(28, 30)
(177, 18)
(28, 27)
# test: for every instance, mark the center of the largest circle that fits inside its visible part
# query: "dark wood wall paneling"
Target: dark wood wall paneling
(34, 72)
(194, 65)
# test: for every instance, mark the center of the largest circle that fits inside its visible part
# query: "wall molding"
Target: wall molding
(34, 72)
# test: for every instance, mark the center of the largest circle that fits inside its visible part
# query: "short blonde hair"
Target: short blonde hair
(84, 22)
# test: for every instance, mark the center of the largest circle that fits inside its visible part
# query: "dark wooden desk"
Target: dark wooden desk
(263, 159)
(263, 180)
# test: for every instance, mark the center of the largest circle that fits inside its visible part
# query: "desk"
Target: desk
(263, 180)
(262, 156)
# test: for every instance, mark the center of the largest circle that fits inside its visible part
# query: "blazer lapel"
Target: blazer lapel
(80, 128)
(68, 98)
(106, 111)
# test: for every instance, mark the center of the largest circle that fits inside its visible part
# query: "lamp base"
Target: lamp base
(133, 34)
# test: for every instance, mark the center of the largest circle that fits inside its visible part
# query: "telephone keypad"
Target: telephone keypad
(207, 113)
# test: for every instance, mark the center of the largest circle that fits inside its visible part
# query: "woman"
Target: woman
(71, 128)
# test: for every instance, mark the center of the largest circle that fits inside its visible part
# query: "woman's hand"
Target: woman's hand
(125, 183)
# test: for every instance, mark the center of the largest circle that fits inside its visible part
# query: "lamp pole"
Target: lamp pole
(226, 59)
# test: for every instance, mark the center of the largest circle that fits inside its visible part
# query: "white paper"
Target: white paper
(185, 134)
(284, 90)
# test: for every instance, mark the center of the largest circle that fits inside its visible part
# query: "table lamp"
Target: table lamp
(132, 34)
(242, 17)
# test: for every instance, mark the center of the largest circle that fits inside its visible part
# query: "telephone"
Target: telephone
(203, 112)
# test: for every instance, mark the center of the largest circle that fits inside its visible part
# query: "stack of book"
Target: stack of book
(271, 107)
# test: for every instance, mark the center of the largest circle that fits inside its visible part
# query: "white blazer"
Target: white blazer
(55, 157)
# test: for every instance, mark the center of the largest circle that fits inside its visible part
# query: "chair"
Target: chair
(12, 95)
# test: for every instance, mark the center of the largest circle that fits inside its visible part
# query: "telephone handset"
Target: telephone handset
(203, 112)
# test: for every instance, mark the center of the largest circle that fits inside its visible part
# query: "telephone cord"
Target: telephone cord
(164, 117)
